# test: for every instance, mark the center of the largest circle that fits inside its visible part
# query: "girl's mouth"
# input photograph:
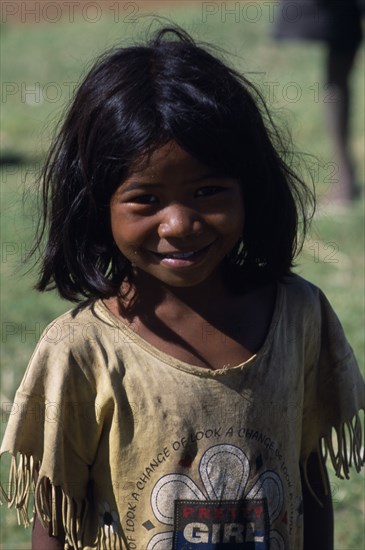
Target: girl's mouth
(181, 259)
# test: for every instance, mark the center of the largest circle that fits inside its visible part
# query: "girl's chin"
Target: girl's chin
(179, 278)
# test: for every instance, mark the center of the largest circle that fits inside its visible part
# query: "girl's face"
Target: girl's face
(176, 219)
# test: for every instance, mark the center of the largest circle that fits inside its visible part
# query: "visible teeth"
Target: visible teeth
(180, 255)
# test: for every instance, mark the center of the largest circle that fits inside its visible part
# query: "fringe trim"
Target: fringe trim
(348, 440)
(51, 506)
(21, 481)
(109, 539)
(350, 447)
(50, 502)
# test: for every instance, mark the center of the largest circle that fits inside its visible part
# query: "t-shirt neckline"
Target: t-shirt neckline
(172, 361)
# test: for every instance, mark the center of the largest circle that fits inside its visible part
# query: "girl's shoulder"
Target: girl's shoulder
(76, 345)
(302, 295)
(306, 306)
(315, 324)
(78, 327)
(295, 285)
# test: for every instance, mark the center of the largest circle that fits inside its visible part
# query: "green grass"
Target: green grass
(55, 56)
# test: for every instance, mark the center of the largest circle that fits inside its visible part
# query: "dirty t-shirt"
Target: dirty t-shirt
(143, 451)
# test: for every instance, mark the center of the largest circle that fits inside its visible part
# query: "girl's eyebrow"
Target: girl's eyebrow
(206, 176)
(136, 185)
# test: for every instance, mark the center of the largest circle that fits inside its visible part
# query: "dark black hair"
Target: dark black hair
(134, 100)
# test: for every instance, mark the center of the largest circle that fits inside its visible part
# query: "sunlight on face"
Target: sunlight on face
(175, 218)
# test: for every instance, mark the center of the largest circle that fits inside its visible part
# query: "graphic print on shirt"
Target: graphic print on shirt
(225, 515)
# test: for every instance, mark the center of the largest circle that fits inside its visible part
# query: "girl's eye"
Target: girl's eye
(145, 199)
(209, 191)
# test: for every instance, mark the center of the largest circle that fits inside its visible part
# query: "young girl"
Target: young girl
(189, 401)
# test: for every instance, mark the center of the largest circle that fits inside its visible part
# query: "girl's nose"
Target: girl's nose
(179, 221)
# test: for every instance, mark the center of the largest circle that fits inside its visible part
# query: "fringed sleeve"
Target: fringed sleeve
(52, 437)
(334, 398)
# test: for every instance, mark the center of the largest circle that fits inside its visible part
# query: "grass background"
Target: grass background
(42, 62)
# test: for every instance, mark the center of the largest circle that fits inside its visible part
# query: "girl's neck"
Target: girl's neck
(148, 294)
(190, 324)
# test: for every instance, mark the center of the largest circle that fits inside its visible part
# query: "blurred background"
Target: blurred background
(46, 48)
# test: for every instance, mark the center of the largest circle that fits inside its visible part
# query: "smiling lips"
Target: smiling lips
(177, 255)
(181, 259)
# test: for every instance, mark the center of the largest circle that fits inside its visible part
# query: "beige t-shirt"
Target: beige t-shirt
(147, 452)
